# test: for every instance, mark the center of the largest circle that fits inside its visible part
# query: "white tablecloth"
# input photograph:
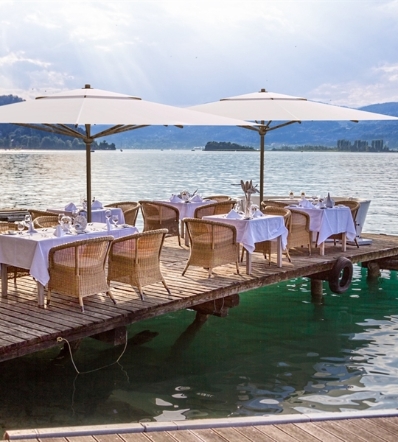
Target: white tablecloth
(186, 210)
(250, 231)
(97, 215)
(31, 251)
(330, 221)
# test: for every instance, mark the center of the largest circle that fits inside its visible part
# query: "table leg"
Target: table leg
(344, 241)
(40, 294)
(279, 251)
(248, 263)
(182, 229)
(322, 248)
(4, 281)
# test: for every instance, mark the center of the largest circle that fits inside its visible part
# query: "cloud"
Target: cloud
(184, 53)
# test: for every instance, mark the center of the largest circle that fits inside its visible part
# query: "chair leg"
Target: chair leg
(242, 254)
(109, 293)
(165, 286)
(81, 303)
(237, 268)
(288, 255)
(356, 242)
(186, 268)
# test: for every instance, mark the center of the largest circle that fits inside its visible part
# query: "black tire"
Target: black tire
(340, 276)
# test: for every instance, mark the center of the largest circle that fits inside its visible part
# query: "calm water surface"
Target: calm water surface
(275, 353)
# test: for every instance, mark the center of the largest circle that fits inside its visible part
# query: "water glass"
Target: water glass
(20, 226)
(115, 219)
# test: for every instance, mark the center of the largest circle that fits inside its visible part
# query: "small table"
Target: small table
(97, 215)
(250, 231)
(31, 251)
(330, 221)
(186, 210)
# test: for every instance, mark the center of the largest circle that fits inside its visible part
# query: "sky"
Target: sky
(188, 52)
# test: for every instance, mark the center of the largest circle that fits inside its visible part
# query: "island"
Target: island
(222, 146)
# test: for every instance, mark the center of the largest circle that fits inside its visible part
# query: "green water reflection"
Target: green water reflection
(277, 352)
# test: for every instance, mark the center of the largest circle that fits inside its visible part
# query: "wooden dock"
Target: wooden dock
(355, 426)
(25, 328)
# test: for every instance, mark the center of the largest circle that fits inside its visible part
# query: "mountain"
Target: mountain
(307, 133)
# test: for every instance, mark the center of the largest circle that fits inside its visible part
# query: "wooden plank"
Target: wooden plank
(318, 432)
(370, 426)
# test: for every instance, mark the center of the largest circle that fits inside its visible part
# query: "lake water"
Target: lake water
(275, 353)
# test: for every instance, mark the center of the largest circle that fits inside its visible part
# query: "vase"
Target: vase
(248, 205)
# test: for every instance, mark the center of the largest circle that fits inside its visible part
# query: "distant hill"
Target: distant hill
(307, 133)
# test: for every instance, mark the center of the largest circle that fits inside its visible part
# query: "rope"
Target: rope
(60, 339)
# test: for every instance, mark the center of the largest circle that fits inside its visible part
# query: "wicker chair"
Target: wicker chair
(12, 272)
(218, 198)
(211, 244)
(130, 215)
(266, 247)
(161, 216)
(273, 203)
(124, 205)
(299, 234)
(34, 213)
(214, 209)
(46, 221)
(354, 207)
(78, 269)
(135, 259)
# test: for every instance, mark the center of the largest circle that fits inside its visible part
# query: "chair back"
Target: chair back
(34, 213)
(211, 244)
(124, 205)
(281, 211)
(5, 226)
(218, 208)
(159, 215)
(46, 221)
(218, 198)
(130, 215)
(273, 203)
(135, 259)
(299, 230)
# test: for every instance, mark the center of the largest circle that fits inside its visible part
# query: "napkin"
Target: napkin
(96, 205)
(257, 214)
(233, 215)
(306, 204)
(196, 199)
(175, 199)
(70, 207)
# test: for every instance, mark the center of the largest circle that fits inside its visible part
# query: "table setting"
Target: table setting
(253, 226)
(327, 219)
(98, 211)
(29, 250)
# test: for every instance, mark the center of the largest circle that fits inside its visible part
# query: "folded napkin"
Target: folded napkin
(257, 214)
(196, 199)
(96, 205)
(175, 199)
(70, 207)
(233, 215)
(306, 204)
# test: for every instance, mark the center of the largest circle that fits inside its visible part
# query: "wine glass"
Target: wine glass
(108, 214)
(28, 219)
(115, 219)
(20, 227)
(60, 216)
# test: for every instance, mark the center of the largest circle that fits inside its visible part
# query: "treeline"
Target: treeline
(18, 137)
(226, 146)
(308, 148)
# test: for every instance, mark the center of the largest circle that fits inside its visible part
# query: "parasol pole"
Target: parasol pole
(262, 132)
(88, 140)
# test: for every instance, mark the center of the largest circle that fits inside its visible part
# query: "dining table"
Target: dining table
(97, 215)
(328, 221)
(186, 209)
(30, 250)
(259, 228)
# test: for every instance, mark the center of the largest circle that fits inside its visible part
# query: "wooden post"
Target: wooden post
(316, 289)
(373, 270)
